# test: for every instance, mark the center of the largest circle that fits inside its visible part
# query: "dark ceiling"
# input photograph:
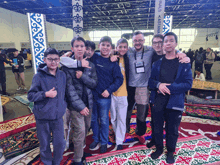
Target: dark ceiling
(123, 14)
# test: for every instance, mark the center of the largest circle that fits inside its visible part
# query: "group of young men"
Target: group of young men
(101, 83)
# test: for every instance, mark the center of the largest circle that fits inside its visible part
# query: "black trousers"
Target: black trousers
(3, 81)
(131, 103)
(208, 68)
(172, 118)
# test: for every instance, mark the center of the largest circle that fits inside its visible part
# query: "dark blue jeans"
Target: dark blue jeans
(100, 120)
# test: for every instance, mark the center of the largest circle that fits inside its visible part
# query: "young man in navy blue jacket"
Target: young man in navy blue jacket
(168, 83)
(47, 92)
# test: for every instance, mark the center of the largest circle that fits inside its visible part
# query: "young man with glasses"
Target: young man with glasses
(47, 91)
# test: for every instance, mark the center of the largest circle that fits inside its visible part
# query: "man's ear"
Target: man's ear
(99, 46)
(44, 59)
(72, 49)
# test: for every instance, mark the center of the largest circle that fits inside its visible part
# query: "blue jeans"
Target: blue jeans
(100, 120)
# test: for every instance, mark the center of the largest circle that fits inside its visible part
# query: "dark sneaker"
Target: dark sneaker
(77, 163)
(151, 144)
(103, 148)
(93, 145)
(119, 147)
(170, 158)
(156, 154)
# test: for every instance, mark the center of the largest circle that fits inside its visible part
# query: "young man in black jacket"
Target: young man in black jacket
(2, 72)
(80, 82)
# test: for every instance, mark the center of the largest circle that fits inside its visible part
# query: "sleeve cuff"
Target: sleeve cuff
(79, 64)
(158, 85)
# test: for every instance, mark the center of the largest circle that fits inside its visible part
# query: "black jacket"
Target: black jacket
(2, 60)
(75, 87)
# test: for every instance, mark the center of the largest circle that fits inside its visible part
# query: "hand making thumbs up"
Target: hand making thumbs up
(51, 93)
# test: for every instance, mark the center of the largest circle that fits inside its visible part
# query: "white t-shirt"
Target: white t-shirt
(201, 77)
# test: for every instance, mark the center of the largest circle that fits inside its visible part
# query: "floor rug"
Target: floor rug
(191, 150)
(19, 143)
(23, 99)
(11, 127)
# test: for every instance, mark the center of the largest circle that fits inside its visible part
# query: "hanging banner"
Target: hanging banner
(77, 9)
(167, 24)
(38, 38)
(159, 16)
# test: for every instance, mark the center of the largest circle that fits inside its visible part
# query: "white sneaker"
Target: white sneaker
(25, 88)
(19, 88)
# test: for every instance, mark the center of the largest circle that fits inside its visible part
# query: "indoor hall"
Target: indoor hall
(196, 24)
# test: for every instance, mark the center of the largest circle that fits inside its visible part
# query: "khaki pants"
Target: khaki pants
(81, 125)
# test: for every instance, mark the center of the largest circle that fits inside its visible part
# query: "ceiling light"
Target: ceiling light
(139, 14)
(210, 13)
(5, 2)
(50, 7)
(63, 13)
(185, 15)
(93, 17)
(98, 20)
(25, 8)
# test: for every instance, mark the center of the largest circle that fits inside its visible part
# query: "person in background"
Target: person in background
(49, 107)
(168, 82)
(199, 75)
(208, 63)
(3, 60)
(200, 57)
(190, 54)
(18, 69)
(90, 51)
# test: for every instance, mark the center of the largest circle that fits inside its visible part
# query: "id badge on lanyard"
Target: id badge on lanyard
(139, 65)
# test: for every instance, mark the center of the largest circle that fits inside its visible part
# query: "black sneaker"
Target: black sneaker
(93, 145)
(77, 163)
(103, 148)
(119, 147)
(151, 144)
(170, 158)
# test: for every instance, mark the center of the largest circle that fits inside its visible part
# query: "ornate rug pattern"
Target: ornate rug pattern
(11, 127)
(191, 150)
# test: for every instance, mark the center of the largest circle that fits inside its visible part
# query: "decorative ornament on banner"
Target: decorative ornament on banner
(159, 15)
(77, 9)
(167, 24)
(38, 37)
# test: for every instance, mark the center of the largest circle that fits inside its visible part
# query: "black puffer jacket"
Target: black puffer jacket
(74, 87)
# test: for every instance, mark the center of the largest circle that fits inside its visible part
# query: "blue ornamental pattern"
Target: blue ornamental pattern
(167, 24)
(77, 29)
(38, 37)
(77, 7)
(77, 18)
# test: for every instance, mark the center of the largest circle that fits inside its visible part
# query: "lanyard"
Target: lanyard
(141, 55)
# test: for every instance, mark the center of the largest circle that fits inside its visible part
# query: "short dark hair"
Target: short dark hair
(90, 44)
(50, 51)
(77, 38)
(171, 34)
(201, 49)
(137, 32)
(122, 40)
(158, 36)
(106, 39)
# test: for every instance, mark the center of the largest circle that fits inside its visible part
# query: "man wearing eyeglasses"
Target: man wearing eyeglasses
(140, 58)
